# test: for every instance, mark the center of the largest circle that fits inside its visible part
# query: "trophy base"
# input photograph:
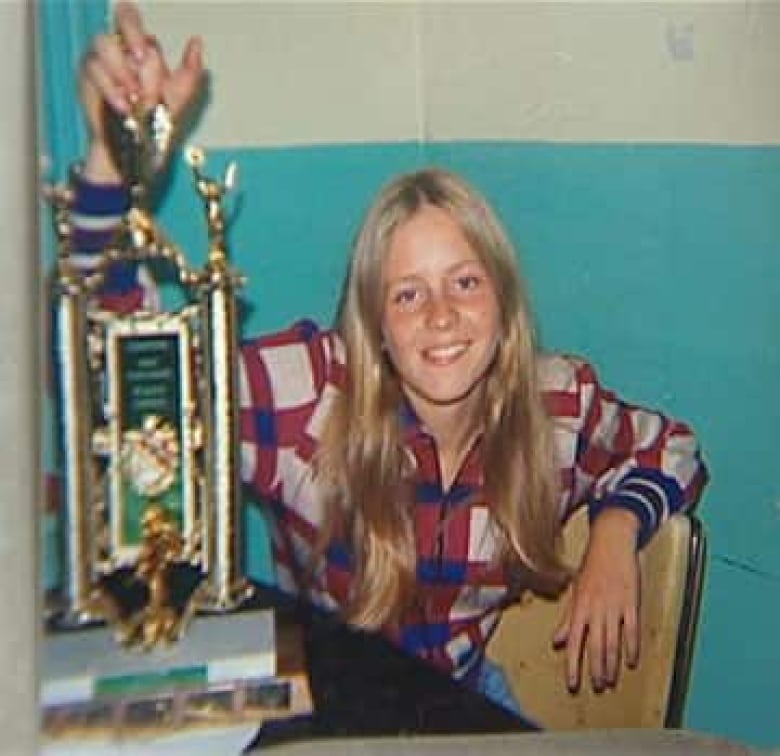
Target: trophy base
(211, 601)
(223, 672)
(59, 616)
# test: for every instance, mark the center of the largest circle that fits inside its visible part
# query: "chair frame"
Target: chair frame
(689, 622)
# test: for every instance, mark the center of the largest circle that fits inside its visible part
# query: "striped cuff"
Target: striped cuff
(649, 494)
(98, 199)
(96, 213)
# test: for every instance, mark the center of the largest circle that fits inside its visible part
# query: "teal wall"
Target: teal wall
(660, 263)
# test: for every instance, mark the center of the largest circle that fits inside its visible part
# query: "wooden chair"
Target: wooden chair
(650, 696)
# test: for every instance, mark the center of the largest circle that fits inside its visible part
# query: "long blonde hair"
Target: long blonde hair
(362, 465)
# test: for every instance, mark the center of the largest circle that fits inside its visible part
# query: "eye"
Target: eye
(406, 297)
(467, 282)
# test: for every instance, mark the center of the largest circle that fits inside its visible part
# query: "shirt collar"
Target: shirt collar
(414, 429)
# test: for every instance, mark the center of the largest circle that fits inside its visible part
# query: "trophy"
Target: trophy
(152, 515)
(148, 416)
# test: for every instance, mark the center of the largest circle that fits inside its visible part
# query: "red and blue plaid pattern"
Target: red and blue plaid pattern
(610, 454)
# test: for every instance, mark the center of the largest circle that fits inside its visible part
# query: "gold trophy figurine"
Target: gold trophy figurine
(148, 416)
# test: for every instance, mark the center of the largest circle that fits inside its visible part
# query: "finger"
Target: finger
(186, 79)
(130, 27)
(192, 57)
(612, 629)
(107, 86)
(596, 644)
(574, 651)
(109, 54)
(632, 636)
(152, 73)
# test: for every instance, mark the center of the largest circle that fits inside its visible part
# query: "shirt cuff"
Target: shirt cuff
(98, 199)
(649, 494)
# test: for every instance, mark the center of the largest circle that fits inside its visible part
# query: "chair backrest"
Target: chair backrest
(651, 695)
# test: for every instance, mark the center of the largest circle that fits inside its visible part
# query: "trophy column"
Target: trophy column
(224, 536)
(73, 606)
(222, 556)
(76, 429)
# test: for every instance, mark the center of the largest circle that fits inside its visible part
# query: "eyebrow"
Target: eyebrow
(451, 269)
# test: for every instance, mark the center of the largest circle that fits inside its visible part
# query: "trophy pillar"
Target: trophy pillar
(223, 554)
(75, 403)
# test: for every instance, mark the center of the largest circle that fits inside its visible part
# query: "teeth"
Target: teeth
(445, 353)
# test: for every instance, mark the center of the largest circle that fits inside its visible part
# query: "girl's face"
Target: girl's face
(440, 314)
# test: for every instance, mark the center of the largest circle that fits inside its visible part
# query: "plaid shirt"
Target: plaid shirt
(611, 454)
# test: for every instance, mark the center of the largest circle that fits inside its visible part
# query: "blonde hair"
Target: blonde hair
(362, 465)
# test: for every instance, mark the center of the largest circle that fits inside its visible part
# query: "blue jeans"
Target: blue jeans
(492, 683)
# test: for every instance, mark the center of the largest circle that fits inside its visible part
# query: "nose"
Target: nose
(441, 311)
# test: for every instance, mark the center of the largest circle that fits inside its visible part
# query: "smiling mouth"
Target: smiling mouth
(444, 355)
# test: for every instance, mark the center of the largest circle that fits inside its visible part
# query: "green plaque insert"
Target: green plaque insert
(154, 437)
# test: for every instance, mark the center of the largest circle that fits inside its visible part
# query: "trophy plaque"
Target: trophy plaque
(151, 615)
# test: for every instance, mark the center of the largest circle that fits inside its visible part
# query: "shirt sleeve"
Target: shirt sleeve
(287, 381)
(628, 456)
(96, 214)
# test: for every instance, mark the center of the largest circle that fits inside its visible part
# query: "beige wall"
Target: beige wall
(329, 72)
(17, 417)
